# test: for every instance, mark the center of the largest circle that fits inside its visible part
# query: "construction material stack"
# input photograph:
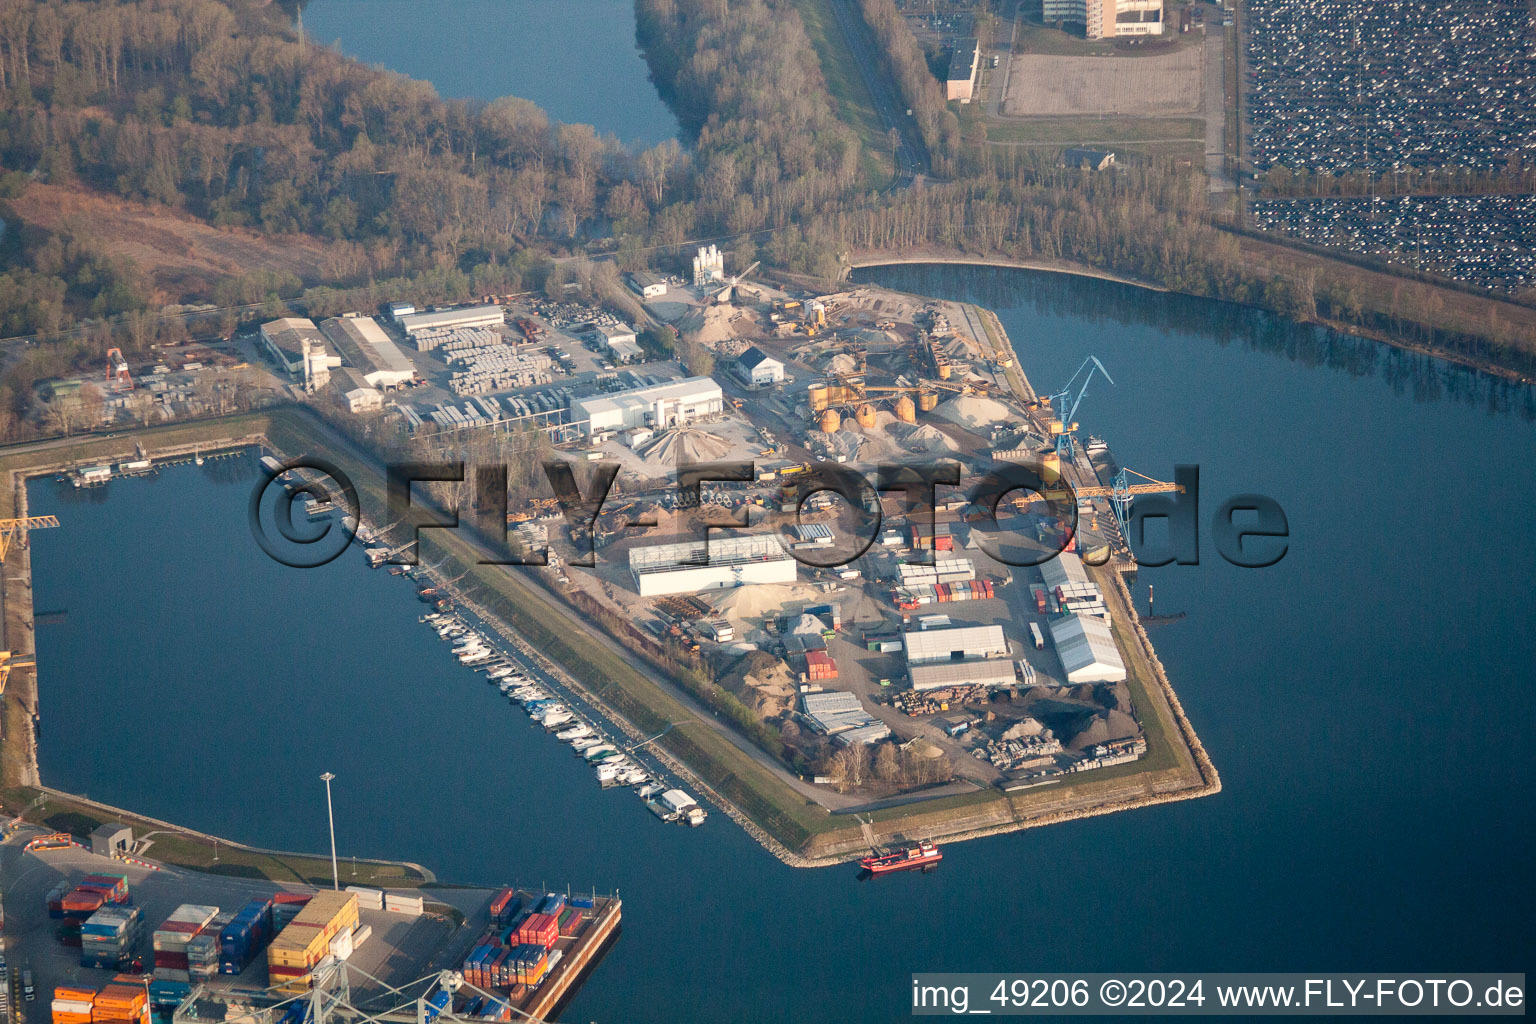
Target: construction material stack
(110, 937)
(170, 939)
(299, 948)
(242, 938)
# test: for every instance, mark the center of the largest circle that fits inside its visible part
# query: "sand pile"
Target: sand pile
(843, 362)
(764, 600)
(686, 445)
(924, 439)
(846, 443)
(707, 325)
(974, 412)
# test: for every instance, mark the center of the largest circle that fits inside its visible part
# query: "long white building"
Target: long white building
(672, 404)
(371, 352)
(469, 316)
(956, 643)
(722, 563)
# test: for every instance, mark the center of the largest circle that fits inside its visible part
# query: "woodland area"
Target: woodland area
(217, 110)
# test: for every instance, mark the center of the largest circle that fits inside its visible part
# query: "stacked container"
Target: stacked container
(242, 938)
(819, 666)
(170, 939)
(368, 899)
(121, 1003)
(203, 949)
(73, 1005)
(504, 905)
(398, 903)
(539, 930)
(529, 962)
(113, 888)
(298, 948)
(167, 995)
(56, 900)
(110, 936)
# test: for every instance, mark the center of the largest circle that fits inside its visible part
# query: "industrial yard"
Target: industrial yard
(193, 947)
(957, 653)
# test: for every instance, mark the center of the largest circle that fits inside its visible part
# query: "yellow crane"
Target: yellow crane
(9, 661)
(14, 531)
(1116, 492)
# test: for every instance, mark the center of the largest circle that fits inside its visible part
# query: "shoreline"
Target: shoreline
(954, 258)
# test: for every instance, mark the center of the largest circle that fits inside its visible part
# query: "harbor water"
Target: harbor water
(1366, 700)
(577, 59)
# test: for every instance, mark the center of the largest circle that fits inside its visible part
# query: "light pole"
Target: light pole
(330, 815)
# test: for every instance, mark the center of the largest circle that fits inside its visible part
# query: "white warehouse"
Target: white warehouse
(673, 404)
(724, 562)
(1087, 649)
(469, 316)
(957, 643)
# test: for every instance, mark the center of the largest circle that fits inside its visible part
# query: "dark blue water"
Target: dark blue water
(577, 59)
(1367, 702)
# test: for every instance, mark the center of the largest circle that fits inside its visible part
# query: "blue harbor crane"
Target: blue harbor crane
(1059, 401)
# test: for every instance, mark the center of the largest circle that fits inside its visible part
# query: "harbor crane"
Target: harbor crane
(1065, 426)
(1120, 495)
(14, 531)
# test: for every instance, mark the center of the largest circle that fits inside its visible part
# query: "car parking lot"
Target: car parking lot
(1337, 85)
(1483, 240)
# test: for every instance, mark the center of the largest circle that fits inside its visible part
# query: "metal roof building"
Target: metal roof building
(1087, 649)
(989, 672)
(363, 344)
(469, 316)
(958, 643)
(672, 404)
(1065, 570)
(284, 340)
(721, 563)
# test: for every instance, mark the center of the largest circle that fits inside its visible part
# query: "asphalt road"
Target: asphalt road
(911, 155)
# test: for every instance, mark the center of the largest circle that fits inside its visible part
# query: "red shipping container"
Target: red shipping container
(291, 897)
(539, 930)
(173, 961)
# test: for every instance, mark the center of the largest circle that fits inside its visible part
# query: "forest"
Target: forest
(220, 111)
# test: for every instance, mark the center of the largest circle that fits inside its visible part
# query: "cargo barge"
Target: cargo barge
(538, 949)
(919, 856)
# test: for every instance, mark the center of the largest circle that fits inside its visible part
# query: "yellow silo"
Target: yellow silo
(905, 410)
(943, 371)
(927, 401)
(830, 421)
(818, 397)
(1050, 467)
(866, 416)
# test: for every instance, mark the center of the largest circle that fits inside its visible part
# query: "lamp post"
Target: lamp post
(330, 815)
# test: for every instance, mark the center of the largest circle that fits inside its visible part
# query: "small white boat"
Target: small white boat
(575, 732)
(500, 672)
(556, 719)
(600, 752)
(584, 743)
(607, 772)
(634, 777)
(472, 657)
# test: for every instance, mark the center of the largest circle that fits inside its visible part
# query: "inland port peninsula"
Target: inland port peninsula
(839, 680)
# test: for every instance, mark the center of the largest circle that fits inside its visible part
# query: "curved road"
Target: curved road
(911, 154)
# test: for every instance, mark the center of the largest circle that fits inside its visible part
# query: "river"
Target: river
(1367, 701)
(578, 59)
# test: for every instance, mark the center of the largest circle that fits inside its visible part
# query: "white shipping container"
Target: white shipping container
(372, 899)
(341, 944)
(361, 935)
(71, 1006)
(398, 904)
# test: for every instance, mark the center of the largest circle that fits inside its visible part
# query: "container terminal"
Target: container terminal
(108, 940)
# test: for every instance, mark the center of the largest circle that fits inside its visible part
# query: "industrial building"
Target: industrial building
(721, 563)
(443, 319)
(647, 285)
(708, 266)
(954, 643)
(284, 341)
(841, 716)
(988, 672)
(620, 343)
(757, 369)
(364, 345)
(672, 404)
(964, 61)
(1109, 19)
(1087, 649)
(360, 398)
